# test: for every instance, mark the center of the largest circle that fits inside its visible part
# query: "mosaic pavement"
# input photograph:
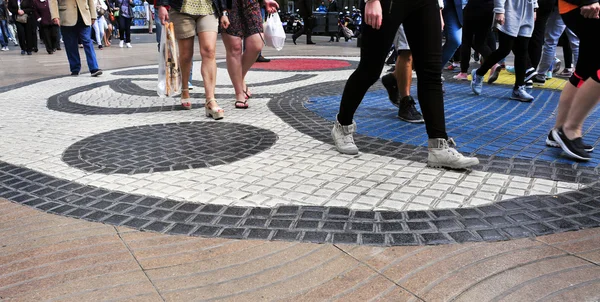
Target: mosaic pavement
(108, 149)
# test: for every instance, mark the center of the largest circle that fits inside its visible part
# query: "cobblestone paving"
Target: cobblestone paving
(83, 148)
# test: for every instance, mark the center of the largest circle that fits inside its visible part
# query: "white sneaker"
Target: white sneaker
(121, 44)
(342, 137)
(5, 48)
(129, 45)
(443, 155)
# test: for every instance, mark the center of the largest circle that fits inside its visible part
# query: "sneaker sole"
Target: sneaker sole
(494, 75)
(521, 100)
(455, 167)
(554, 144)
(565, 149)
(411, 121)
(390, 91)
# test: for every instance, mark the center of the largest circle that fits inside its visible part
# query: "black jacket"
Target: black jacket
(26, 6)
(332, 7)
(581, 2)
(304, 8)
(218, 5)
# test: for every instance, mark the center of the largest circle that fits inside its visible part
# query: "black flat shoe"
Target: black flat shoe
(294, 40)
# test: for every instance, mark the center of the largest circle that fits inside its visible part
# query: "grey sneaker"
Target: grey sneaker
(343, 139)
(476, 82)
(443, 155)
(520, 94)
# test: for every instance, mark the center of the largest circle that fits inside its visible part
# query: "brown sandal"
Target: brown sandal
(241, 104)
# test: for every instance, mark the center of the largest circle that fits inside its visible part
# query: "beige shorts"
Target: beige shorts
(187, 26)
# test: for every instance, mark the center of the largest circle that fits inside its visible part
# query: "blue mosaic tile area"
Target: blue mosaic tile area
(490, 124)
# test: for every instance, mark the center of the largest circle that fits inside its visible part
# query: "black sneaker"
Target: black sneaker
(75, 73)
(529, 74)
(262, 59)
(539, 79)
(573, 148)
(550, 142)
(529, 84)
(390, 84)
(408, 112)
(96, 73)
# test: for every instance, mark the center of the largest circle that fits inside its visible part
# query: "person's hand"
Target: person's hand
(163, 15)
(499, 19)
(271, 6)
(20, 12)
(56, 21)
(373, 14)
(591, 11)
(93, 21)
(224, 22)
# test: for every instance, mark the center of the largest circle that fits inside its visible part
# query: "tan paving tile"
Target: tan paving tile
(587, 291)
(507, 281)
(559, 282)
(263, 273)
(575, 242)
(593, 256)
(26, 283)
(562, 238)
(119, 285)
(450, 280)
(375, 288)
(194, 250)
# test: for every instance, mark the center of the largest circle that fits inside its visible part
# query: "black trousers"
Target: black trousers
(307, 29)
(588, 63)
(125, 29)
(27, 34)
(539, 31)
(507, 43)
(477, 26)
(50, 35)
(422, 25)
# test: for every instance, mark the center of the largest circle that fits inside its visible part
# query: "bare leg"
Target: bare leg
(404, 72)
(564, 104)
(208, 42)
(586, 98)
(186, 51)
(254, 45)
(233, 47)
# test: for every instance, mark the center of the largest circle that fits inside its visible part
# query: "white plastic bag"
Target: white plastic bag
(274, 33)
(169, 73)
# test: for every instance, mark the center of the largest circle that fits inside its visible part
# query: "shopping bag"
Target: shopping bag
(169, 73)
(348, 34)
(274, 33)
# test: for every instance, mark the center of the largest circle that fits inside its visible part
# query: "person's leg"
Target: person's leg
(520, 49)
(48, 43)
(568, 55)
(121, 28)
(208, 45)
(22, 35)
(574, 43)
(97, 31)
(468, 32)
(404, 72)
(127, 30)
(158, 28)
(374, 47)
(54, 37)
(505, 45)
(88, 46)
(70, 36)
(537, 36)
(186, 52)
(452, 32)
(554, 29)
(3, 38)
(233, 47)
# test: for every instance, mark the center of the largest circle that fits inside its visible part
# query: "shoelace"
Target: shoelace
(411, 108)
(348, 139)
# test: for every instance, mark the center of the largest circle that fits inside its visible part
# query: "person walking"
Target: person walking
(305, 11)
(477, 26)
(4, 32)
(190, 19)
(423, 28)
(49, 29)
(246, 26)
(100, 24)
(398, 83)
(125, 11)
(149, 9)
(582, 93)
(514, 20)
(75, 22)
(22, 13)
(453, 22)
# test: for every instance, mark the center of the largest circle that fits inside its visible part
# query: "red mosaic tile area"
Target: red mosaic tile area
(301, 64)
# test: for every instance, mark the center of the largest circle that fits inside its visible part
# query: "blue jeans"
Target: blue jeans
(71, 35)
(158, 30)
(3, 36)
(554, 29)
(5, 31)
(452, 32)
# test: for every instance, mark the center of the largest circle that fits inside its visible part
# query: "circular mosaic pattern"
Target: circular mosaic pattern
(169, 147)
(302, 65)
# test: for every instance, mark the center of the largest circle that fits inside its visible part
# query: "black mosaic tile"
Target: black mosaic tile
(315, 237)
(259, 234)
(181, 228)
(404, 239)
(136, 222)
(123, 151)
(434, 238)
(307, 224)
(116, 219)
(373, 239)
(286, 235)
(346, 238)
(234, 233)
